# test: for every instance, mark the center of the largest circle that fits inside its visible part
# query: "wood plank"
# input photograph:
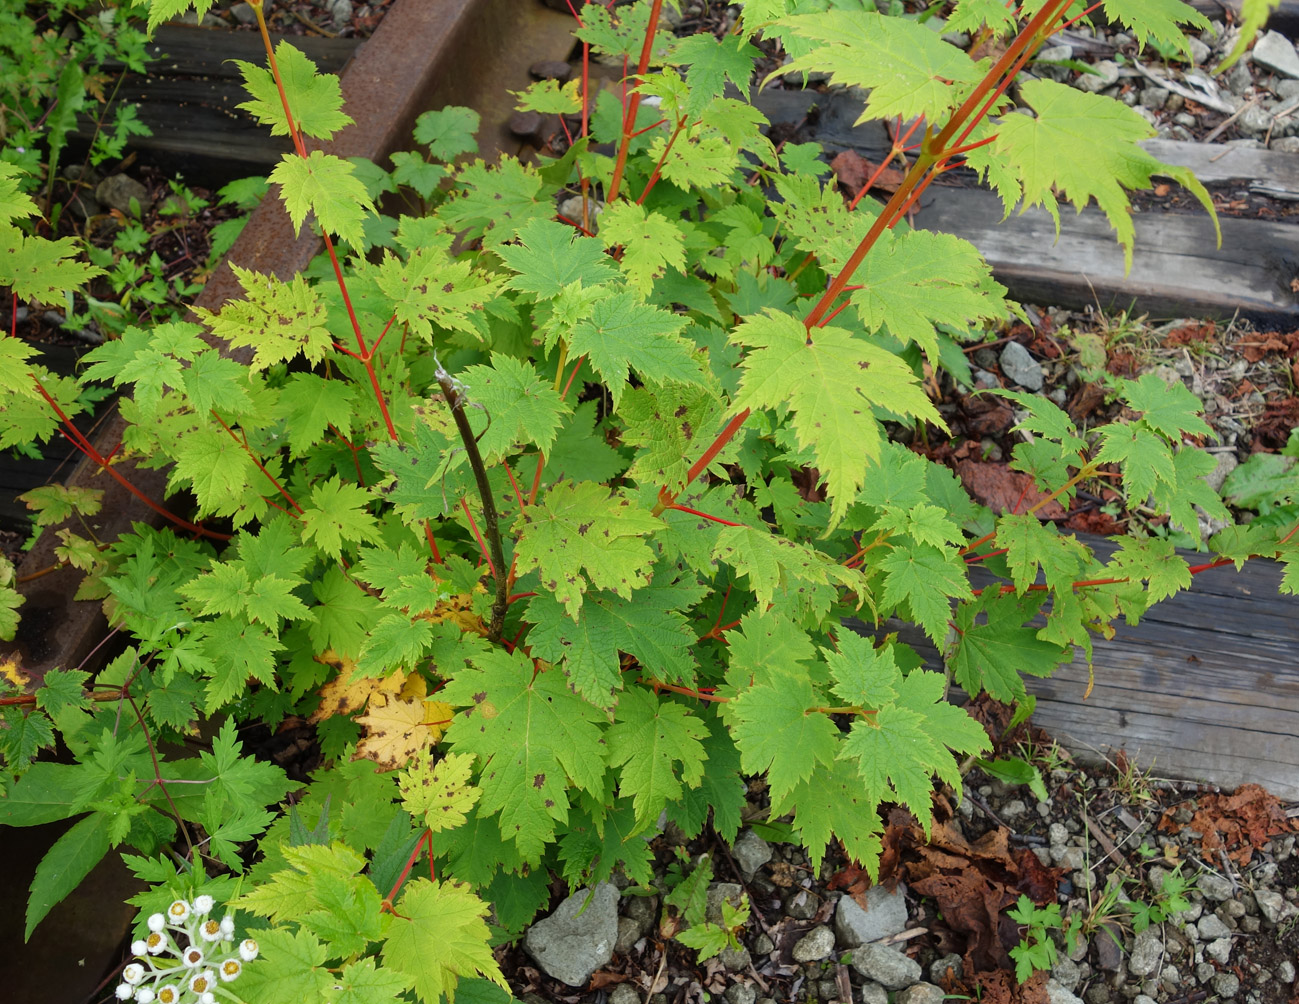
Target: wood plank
(1284, 18)
(1177, 271)
(1266, 172)
(1205, 687)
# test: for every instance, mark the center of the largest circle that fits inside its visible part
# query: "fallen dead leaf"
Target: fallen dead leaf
(1238, 824)
(1004, 490)
(853, 171)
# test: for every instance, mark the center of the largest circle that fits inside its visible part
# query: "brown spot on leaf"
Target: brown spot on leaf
(538, 780)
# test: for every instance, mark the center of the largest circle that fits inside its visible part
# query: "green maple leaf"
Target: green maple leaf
(236, 652)
(345, 613)
(1085, 147)
(314, 98)
(1045, 418)
(438, 937)
(802, 575)
(327, 186)
(915, 280)
(664, 427)
(992, 655)
(711, 63)
(765, 647)
(15, 371)
(776, 733)
(651, 244)
(361, 983)
(831, 803)
(447, 132)
(395, 641)
(1189, 490)
(309, 404)
(550, 97)
(430, 289)
(150, 359)
(216, 467)
(495, 202)
(1167, 22)
(535, 739)
(1254, 15)
(14, 202)
(290, 966)
(971, 15)
(580, 533)
(909, 70)
(34, 268)
(648, 626)
(1153, 560)
(622, 333)
(338, 512)
(1141, 454)
(863, 675)
(1168, 409)
(216, 383)
(904, 743)
(927, 579)
(550, 256)
(522, 406)
(656, 746)
(278, 320)
(1031, 544)
(831, 386)
(402, 576)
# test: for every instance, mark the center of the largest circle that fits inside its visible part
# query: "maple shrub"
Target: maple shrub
(549, 522)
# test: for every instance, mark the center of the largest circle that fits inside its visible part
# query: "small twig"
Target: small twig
(1222, 126)
(663, 959)
(907, 935)
(985, 808)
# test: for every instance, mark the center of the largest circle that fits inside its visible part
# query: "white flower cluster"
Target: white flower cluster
(185, 957)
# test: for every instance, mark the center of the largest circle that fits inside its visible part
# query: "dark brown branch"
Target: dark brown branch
(456, 401)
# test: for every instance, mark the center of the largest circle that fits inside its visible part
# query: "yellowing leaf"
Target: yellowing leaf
(342, 695)
(399, 728)
(439, 790)
(14, 673)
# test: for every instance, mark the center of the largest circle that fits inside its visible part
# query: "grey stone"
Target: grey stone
(1057, 835)
(1285, 971)
(1210, 928)
(1056, 994)
(1270, 904)
(886, 966)
(921, 993)
(732, 892)
(802, 905)
(1219, 951)
(1066, 973)
(948, 968)
(828, 989)
(1255, 121)
(243, 13)
(1147, 950)
(1143, 999)
(814, 946)
(1021, 367)
(739, 993)
(624, 993)
(1239, 79)
(340, 12)
(572, 943)
(551, 69)
(1286, 144)
(628, 935)
(1109, 956)
(1213, 886)
(1154, 98)
(763, 945)
(644, 910)
(1204, 971)
(885, 914)
(873, 993)
(751, 853)
(736, 960)
(1048, 59)
(1226, 985)
(1276, 52)
(1106, 75)
(1200, 53)
(117, 190)
(1015, 808)
(1227, 463)
(1286, 89)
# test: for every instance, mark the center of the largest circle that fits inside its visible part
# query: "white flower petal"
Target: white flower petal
(248, 949)
(157, 922)
(203, 905)
(133, 973)
(124, 991)
(230, 970)
(178, 912)
(144, 995)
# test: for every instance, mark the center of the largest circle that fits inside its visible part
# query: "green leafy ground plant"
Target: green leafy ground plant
(550, 525)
